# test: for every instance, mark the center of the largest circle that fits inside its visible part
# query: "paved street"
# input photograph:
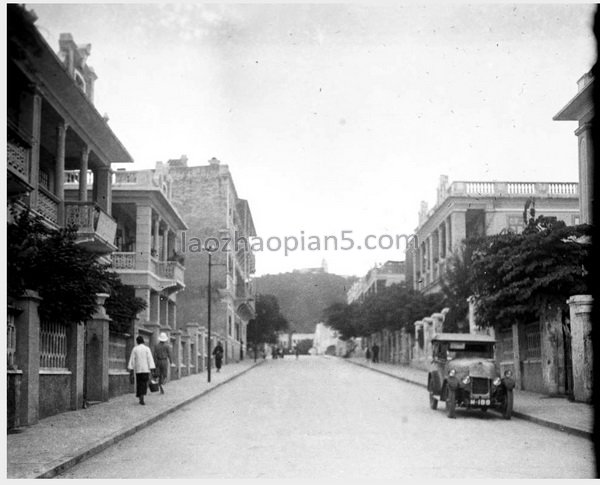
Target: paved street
(323, 418)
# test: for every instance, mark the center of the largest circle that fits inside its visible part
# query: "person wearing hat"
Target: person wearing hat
(163, 359)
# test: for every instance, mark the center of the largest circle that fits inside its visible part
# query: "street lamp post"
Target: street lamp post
(209, 304)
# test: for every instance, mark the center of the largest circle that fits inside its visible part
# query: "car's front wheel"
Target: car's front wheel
(507, 407)
(433, 402)
(451, 403)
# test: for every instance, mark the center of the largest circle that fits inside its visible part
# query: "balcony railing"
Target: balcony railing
(514, 189)
(18, 159)
(171, 270)
(91, 220)
(47, 205)
(123, 260)
(72, 177)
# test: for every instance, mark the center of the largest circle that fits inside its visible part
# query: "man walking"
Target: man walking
(218, 353)
(141, 363)
(163, 359)
(375, 352)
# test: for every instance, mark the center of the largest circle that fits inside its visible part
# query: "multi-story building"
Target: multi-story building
(207, 199)
(377, 278)
(581, 109)
(53, 127)
(147, 257)
(466, 209)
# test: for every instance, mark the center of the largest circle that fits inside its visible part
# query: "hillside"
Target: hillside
(303, 296)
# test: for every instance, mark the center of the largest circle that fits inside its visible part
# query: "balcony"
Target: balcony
(17, 158)
(171, 270)
(163, 275)
(95, 228)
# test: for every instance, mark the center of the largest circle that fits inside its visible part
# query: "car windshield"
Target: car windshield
(469, 350)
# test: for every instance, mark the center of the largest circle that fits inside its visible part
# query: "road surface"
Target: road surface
(318, 417)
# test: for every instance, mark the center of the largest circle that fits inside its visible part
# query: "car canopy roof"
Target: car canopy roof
(462, 337)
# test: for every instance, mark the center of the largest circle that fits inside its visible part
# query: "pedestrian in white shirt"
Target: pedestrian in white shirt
(142, 363)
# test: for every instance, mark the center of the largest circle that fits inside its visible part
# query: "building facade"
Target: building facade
(147, 258)
(378, 277)
(207, 199)
(581, 109)
(468, 209)
(54, 128)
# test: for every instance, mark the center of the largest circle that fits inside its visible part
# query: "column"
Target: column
(102, 188)
(438, 322)
(76, 363)
(97, 358)
(27, 354)
(59, 170)
(32, 113)
(201, 362)
(165, 244)
(516, 334)
(192, 331)
(177, 357)
(551, 330)
(155, 243)
(580, 309)
(143, 230)
(586, 175)
(83, 168)
(448, 236)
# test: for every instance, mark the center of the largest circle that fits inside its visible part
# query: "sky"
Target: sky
(338, 119)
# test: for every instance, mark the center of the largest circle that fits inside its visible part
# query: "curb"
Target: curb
(526, 417)
(59, 466)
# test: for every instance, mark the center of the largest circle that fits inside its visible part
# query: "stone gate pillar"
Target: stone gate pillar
(27, 324)
(580, 307)
(97, 358)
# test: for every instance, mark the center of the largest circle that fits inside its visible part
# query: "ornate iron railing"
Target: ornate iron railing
(53, 345)
(123, 260)
(90, 218)
(47, 205)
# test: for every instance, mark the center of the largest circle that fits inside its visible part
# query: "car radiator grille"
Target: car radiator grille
(480, 386)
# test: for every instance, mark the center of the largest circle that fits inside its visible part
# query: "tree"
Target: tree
(457, 286)
(304, 346)
(393, 307)
(66, 276)
(516, 276)
(122, 306)
(268, 322)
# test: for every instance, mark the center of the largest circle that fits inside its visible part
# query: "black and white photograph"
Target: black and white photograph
(310, 241)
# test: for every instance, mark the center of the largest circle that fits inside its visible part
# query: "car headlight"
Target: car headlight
(452, 372)
(508, 373)
(466, 380)
(497, 381)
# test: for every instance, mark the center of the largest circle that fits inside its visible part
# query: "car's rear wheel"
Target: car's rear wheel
(433, 402)
(507, 407)
(451, 403)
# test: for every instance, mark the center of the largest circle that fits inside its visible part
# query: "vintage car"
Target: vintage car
(464, 373)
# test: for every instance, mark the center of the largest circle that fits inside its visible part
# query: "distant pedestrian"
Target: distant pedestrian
(141, 363)
(163, 360)
(375, 351)
(368, 354)
(218, 353)
(297, 350)
(273, 352)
